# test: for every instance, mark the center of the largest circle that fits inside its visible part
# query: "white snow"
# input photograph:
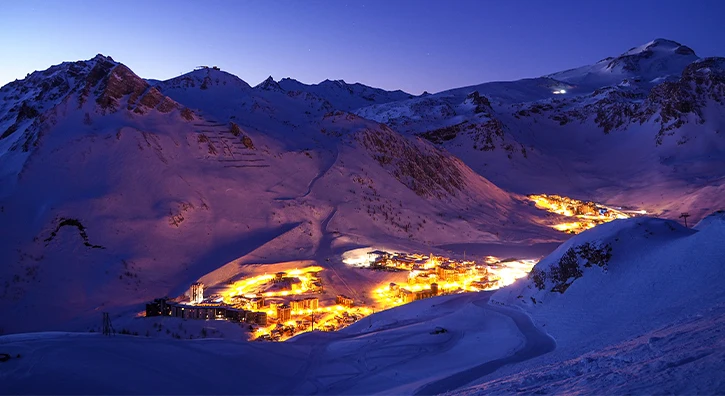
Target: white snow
(164, 201)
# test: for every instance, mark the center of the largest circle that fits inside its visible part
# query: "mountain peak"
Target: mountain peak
(269, 85)
(648, 63)
(204, 77)
(102, 57)
(660, 45)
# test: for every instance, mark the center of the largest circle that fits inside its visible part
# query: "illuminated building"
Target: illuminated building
(422, 294)
(279, 276)
(158, 307)
(250, 316)
(234, 314)
(407, 296)
(434, 288)
(256, 303)
(312, 303)
(196, 292)
(296, 305)
(445, 273)
(344, 300)
(284, 313)
(305, 304)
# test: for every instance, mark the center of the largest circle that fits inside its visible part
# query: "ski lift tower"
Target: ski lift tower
(107, 326)
(684, 216)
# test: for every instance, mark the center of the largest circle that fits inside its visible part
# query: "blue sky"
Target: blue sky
(393, 44)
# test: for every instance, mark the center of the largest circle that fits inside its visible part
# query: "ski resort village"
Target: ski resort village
(277, 306)
(170, 228)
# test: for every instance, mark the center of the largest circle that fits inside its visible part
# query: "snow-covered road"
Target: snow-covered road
(537, 344)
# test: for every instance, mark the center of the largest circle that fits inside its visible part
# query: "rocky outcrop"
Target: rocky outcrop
(424, 169)
(120, 82)
(269, 85)
(237, 131)
(483, 105)
(571, 266)
(672, 104)
(486, 136)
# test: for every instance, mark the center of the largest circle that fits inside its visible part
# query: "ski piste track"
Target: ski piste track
(316, 380)
(537, 343)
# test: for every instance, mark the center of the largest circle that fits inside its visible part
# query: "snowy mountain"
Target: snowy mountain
(646, 65)
(118, 192)
(344, 96)
(643, 130)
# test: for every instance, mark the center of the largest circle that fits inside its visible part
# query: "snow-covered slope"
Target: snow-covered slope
(127, 192)
(622, 275)
(648, 320)
(643, 129)
(344, 96)
(645, 291)
(650, 63)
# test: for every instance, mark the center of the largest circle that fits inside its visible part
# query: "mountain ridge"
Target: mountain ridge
(140, 190)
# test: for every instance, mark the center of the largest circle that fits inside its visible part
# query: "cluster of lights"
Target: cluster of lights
(500, 274)
(252, 284)
(322, 317)
(586, 214)
(337, 316)
(328, 317)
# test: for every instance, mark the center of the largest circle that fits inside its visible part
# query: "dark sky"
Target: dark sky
(414, 45)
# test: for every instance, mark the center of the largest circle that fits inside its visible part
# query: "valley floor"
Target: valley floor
(397, 351)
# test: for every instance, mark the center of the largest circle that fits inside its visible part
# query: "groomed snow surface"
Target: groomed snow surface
(651, 323)
(391, 352)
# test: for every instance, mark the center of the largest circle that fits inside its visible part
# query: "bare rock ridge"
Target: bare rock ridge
(109, 84)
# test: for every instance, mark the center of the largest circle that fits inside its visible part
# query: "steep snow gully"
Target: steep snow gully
(537, 343)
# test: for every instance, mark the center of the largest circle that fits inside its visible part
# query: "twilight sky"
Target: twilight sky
(414, 45)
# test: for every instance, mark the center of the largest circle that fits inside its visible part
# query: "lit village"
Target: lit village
(586, 214)
(278, 306)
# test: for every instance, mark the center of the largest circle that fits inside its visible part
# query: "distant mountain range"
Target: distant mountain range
(642, 129)
(118, 186)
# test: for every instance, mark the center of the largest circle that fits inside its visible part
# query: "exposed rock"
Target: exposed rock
(120, 82)
(237, 131)
(483, 105)
(152, 98)
(187, 114)
(424, 169)
(26, 112)
(674, 102)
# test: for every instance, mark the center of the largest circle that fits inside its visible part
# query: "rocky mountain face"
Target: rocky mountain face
(30, 103)
(622, 121)
(269, 85)
(674, 103)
